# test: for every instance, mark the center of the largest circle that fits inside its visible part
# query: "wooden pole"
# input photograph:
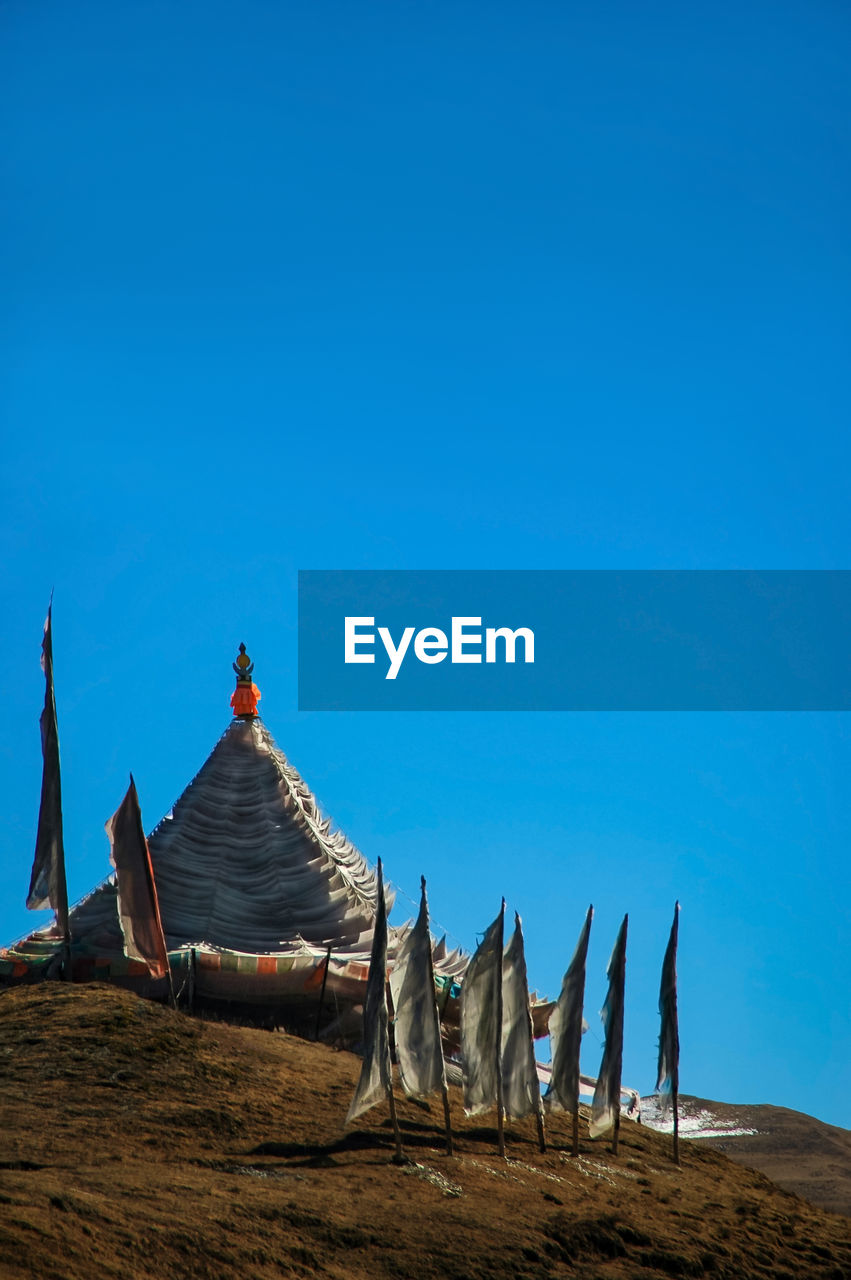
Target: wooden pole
(399, 1156)
(539, 1111)
(500, 1097)
(391, 1027)
(621, 981)
(542, 1137)
(190, 999)
(675, 1065)
(322, 993)
(447, 1119)
(391, 1013)
(575, 1149)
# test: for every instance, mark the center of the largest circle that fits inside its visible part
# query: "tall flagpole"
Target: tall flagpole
(675, 1089)
(391, 1101)
(565, 1028)
(447, 1118)
(669, 1037)
(381, 923)
(617, 1093)
(376, 1077)
(587, 929)
(539, 1111)
(500, 1097)
(606, 1105)
(675, 1074)
(322, 993)
(136, 889)
(48, 886)
(152, 886)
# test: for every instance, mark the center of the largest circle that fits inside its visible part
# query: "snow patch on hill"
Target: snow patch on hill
(695, 1122)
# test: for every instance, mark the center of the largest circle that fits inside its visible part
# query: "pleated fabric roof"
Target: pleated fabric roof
(245, 861)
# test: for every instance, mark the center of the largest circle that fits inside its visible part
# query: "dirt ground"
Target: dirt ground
(139, 1142)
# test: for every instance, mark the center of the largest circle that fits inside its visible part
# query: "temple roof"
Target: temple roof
(245, 861)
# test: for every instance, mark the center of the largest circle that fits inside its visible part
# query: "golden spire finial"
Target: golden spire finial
(243, 665)
(246, 695)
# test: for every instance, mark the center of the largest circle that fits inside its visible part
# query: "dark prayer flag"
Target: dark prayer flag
(376, 1079)
(667, 1076)
(607, 1095)
(138, 907)
(566, 1027)
(47, 883)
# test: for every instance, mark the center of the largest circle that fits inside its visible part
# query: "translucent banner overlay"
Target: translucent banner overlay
(594, 640)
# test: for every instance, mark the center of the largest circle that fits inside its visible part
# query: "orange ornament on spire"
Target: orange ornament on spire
(246, 695)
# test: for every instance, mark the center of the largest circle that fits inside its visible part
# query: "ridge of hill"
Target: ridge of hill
(797, 1151)
(137, 1141)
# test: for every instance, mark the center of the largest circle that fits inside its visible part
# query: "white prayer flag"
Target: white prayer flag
(480, 1026)
(418, 1049)
(521, 1090)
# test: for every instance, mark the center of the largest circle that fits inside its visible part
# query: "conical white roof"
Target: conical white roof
(245, 861)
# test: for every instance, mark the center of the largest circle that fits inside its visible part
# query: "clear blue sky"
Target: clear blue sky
(434, 286)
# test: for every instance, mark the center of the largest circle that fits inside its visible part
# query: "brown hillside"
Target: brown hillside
(797, 1151)
(137, 1142)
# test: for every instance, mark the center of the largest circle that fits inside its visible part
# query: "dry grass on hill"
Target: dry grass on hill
(138, 1142)
(797, 1151)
